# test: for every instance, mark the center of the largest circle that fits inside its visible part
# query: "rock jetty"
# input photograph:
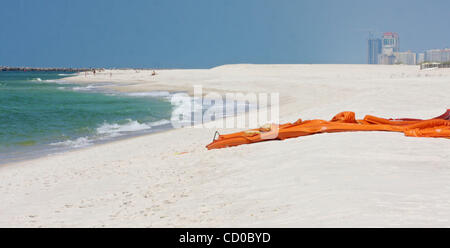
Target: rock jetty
(7, 68)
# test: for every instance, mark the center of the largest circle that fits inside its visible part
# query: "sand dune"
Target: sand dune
(169, 179)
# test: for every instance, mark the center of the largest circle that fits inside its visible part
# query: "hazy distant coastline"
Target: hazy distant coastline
(65, 69)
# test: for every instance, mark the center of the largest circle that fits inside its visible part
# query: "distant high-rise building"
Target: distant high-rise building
(384, 59)
(406, 58)
(391, 43)
(420, 58)
(445, 55)
(390, 46)
(374, 50)
(433, 55)
(437, 55)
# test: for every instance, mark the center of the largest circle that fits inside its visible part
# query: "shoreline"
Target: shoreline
(103, 87)
(169, 179)
(63, 151)
(80, 149)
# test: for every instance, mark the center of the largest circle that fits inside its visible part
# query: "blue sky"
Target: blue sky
(207, 33)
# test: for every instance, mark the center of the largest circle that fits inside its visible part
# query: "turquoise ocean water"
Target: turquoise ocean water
(41, 115)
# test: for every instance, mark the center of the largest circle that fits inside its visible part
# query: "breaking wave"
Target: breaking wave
(77, 143)
(87, 88)
(160, 123)
(116, 129)
(111, 130)
(52, 81)
(164, 94)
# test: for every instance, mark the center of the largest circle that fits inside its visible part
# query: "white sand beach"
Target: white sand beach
(169, 179)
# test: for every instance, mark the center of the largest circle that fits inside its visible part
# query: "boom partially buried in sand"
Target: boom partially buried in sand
(438, 127)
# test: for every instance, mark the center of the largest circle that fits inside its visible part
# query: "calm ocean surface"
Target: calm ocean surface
(39, 115)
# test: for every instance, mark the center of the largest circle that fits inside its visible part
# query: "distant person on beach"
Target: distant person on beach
(110, 75)
(93, 71)
(153, 73)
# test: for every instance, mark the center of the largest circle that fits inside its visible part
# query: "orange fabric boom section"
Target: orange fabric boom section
(438, 127)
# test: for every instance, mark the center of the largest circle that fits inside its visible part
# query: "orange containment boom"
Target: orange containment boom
(438, 127)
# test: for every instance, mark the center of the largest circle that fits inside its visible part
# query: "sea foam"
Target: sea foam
(87, 88)
(77, 143)
(110, 130)
(116, 129)
(164, 94)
